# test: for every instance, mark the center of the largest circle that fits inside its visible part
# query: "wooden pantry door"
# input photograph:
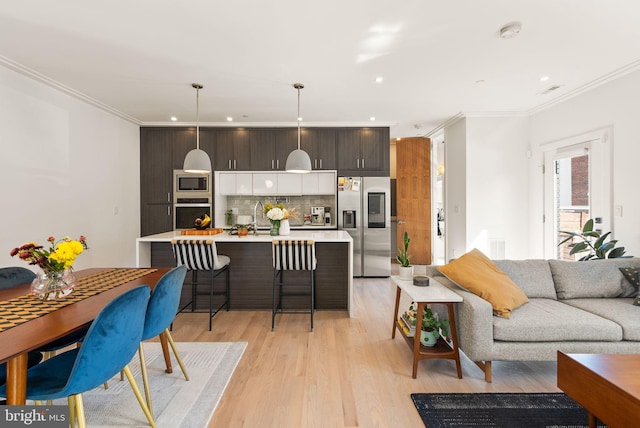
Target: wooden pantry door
(413, 196)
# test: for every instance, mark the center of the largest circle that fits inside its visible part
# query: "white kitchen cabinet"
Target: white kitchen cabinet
(319, 183)
(235, 183)
(290, 184)
(265, 183)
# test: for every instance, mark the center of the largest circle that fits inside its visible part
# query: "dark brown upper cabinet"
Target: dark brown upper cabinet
(233, 150)
(270, 147)
(320, 144)
(363, 151)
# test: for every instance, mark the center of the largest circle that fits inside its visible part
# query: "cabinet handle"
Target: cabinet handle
(169, 197)
(229, 164)
(362, 163)
(234, 164)
(271, 163)
(320, 163)
(277, 163)
(315, 163)
(358, 163)
(169, 210)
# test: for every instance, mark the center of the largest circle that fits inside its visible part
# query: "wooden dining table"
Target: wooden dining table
(18, 340)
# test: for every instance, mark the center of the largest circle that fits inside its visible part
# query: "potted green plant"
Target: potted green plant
(403, 257)
(432, 327)
(593, 243)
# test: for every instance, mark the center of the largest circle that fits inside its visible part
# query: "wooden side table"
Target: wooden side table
(434, 293)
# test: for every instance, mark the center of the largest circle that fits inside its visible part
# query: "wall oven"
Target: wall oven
(191, 198)
(185, 214)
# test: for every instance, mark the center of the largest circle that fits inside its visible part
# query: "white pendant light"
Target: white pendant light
(197, 160)
(298, 160)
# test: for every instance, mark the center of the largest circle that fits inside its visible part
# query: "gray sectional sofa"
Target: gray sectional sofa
(574, 307)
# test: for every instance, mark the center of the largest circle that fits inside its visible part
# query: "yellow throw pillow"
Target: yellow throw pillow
(476, 273)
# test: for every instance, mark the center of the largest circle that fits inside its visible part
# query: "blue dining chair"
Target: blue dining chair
(110, 343)
(10, 277)
(162, 309)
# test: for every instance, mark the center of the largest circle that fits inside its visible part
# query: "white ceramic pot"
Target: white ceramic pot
(406, 272)
(428, 338)
(285, 228)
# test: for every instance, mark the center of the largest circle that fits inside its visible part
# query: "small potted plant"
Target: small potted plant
(432, 327)
(406, 270)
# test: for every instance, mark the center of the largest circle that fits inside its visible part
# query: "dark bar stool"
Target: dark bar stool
(293, 255)
(201, 255)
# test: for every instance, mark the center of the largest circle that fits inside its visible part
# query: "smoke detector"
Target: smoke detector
(510, 30)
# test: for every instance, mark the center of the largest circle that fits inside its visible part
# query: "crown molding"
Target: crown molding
(274, 124)
(39, 77)
(629, 68)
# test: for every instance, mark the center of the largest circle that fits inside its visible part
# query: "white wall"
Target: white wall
(487, 183)
(455, 175)
(615, 104)
(65, 167)
(497, 186)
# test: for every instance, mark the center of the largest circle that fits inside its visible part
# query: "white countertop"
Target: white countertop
(262, 236)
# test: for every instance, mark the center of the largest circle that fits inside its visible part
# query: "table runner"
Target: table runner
(24, 308)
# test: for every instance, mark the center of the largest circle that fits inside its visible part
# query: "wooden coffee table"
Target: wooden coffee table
(607, 386)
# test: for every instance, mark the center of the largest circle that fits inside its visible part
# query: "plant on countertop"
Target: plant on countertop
(431, 323)
(403, 254)
(593, 243)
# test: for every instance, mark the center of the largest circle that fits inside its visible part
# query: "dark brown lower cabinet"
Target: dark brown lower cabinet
(252, 276)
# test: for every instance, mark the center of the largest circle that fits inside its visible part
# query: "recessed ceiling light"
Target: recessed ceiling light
(398, 139)
(372, 119)
(173, 118)
(229, 119)
(379, 79)
(510, 30)
(544, 78)
(299, 118)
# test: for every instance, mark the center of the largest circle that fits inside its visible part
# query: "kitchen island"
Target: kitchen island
(252, 267)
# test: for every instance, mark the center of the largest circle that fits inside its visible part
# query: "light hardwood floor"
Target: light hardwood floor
(347, 373)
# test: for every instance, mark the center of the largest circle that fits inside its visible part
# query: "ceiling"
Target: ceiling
(437, 58)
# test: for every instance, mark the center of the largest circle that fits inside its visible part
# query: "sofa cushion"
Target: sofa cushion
(532, 276)
(548, 320)
(474, 272)
(593, 278)
(619, 311)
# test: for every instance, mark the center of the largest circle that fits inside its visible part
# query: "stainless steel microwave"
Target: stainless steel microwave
(191, 185)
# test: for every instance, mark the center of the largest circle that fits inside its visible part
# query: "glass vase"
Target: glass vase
(51, 285)
(275, 228)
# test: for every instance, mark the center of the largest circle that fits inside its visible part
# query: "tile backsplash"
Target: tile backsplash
(302, 204)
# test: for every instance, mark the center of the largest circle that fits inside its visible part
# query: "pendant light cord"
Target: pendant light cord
(198, 118)
(298, 118)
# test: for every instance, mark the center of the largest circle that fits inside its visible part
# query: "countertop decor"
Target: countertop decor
(56, 279)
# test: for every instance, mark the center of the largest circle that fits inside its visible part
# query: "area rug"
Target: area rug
(500, 410)
(176, 402)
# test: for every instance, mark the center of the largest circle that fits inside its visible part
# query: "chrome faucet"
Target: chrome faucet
(255, 216)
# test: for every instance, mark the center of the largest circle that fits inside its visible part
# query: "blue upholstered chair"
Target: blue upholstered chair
(202, 255)
(293, 255)
(110, 343)
(162, 309)
(10, 277)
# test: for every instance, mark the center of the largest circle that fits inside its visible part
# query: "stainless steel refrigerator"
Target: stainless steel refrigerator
(364, 211)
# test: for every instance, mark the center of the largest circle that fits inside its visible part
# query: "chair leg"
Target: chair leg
(194, 285)
(228, 296)
(273, 303)
(82, 420)
(145, 377)
(312, 293)
(211, 299)
(72, 410)
(138, 395)
(176, 353)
